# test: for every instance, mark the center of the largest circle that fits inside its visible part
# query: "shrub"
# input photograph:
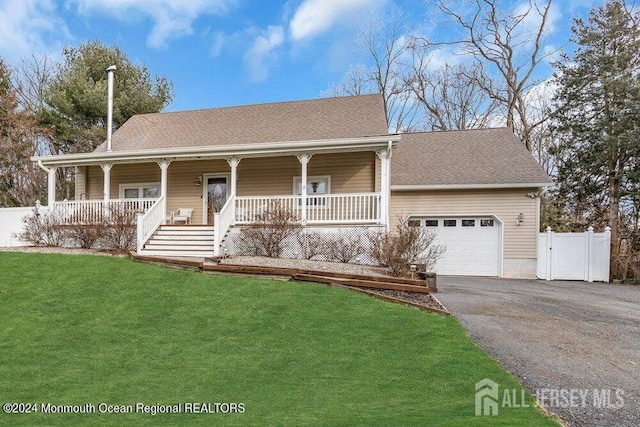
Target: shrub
(119, 229)
(342, 248)
(311, 244)
(42, 228)
(268, 234)
(85, 235)
(405, 246)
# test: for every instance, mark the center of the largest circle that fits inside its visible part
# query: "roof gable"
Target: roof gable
(467, 157)
(318, 119)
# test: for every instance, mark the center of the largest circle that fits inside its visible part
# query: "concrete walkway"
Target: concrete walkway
(558, 335)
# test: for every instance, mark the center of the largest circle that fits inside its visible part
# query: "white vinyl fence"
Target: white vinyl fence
(574, 256)
(11, 224)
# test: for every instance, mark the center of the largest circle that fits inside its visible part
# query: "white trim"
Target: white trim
(205, 196)
(263, 149)
(467, 186)
(470, 216)
(139, 186)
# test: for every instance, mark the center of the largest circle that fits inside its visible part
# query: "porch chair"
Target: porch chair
(181, 214)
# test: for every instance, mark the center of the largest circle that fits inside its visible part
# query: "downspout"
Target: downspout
(51, 183)
(388, 186)
(110, 72)
(43, 167)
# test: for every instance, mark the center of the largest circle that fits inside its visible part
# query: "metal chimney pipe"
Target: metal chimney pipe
(110, 72)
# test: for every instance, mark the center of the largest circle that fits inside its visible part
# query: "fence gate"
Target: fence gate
(574, 256)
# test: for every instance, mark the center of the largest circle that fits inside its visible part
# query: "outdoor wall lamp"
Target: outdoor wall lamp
(198, 181)
(520, 219)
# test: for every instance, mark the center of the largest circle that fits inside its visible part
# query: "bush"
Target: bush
(42, 228)
(407, 245)
(311, 244)
(119, 229)
(85, 235)
(268, 234)
(342, 248)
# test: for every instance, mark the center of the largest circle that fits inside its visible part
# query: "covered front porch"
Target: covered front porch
(340, 186)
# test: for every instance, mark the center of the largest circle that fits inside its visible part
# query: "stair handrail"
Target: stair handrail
(147, 223)
(222, 222)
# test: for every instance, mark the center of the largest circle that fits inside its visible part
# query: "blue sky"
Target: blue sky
(229, 52)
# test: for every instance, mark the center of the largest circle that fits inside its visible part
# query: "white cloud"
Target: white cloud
(314, 17)
(171, 18)
(261, 53)
(29, 27)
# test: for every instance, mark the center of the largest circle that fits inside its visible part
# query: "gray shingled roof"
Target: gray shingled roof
(483, 156)
(330, 118)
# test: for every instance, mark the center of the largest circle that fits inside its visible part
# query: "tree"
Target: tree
(449, 95)
(76, 98)
(385, 43)
(21, 182)
(508, 47)
(598, 105)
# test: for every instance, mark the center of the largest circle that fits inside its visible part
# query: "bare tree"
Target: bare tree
(32, 77)
(510, 43)
(385, 43)
(21, 183)
(450, 95)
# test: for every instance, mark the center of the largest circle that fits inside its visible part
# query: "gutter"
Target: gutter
(247, 150)
(469, 186)
(41, 166)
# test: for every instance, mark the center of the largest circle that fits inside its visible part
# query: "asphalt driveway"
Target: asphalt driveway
(558, 336)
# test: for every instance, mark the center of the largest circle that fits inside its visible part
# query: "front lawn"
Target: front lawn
(77, 330)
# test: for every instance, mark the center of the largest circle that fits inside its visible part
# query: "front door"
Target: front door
(216, 196)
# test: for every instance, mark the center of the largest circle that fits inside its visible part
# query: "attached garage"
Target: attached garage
(473, 244)
(480, 190)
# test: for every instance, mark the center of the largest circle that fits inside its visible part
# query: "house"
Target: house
(330, 161)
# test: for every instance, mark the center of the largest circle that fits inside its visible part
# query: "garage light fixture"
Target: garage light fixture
(520, 219)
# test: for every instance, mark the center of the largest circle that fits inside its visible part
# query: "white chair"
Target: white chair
(181, 214)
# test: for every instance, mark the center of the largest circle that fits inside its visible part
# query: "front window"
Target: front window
(140, 191)
(316, 186)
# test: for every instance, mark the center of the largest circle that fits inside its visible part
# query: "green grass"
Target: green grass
(92, 329)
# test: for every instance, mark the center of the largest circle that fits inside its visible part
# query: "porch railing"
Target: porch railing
(71, 212)
(249, 209)
(355, 208)
(150, 221)
(222, 221)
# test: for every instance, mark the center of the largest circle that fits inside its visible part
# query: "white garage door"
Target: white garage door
(473, 244)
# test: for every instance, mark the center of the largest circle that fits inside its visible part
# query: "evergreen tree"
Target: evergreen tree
(76, 100)
(598, 119)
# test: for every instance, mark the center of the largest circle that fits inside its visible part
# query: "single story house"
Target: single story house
(330, 161)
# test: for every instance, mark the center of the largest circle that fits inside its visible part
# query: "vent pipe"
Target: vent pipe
(110, 72)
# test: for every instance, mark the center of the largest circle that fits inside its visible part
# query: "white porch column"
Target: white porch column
(164, 165)
(385, 157)
(51, 186)
(233, 163)
(106, 188)
(304, 160)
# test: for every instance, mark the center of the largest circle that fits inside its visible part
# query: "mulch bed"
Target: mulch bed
(422, 301)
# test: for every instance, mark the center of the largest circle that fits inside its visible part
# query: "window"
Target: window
(316, 186)
(413, 223)
(140, 191)
(486, 223)
(468, 222)
(430, 222)
(450, 222)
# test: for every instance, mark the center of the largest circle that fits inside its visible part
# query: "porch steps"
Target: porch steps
(181, 241)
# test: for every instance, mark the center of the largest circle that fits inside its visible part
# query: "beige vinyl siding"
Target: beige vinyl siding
(505, 204)
(81, 183)
(350, 173)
